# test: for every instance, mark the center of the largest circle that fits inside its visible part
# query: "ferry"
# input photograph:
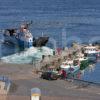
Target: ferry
(23, 38)
(91, 52)
(90, 49)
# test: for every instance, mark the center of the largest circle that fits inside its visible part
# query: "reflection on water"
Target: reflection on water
(92, 73)
(91, 67)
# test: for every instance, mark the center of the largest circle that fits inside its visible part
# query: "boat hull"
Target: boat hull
(17, 42)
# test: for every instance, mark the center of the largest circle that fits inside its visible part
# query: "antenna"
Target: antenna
(42, 34)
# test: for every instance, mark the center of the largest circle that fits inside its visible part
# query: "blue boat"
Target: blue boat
(21, 37)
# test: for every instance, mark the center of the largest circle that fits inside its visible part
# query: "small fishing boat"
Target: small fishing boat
(80, 57)
(68, 64)
(70, 69)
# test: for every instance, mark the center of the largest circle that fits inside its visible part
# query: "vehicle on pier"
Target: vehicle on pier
(51, 73)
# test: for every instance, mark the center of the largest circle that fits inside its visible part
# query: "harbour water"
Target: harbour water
(80, 19)
(92, 74)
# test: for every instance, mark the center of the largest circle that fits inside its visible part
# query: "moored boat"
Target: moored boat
(21, 37)
(68, 64)
(70, 69)
(80, 57)
(90, 49)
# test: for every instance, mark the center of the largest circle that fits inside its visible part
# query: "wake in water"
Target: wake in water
(27, 56)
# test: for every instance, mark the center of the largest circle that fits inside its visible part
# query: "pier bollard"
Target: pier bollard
(35, 94)
(53, 53)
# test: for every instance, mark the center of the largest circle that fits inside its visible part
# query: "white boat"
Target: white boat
(90, 49)
(80, 57)
(67, 64)
(69, 67)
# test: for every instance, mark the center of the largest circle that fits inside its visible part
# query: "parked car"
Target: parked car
(49, 75)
